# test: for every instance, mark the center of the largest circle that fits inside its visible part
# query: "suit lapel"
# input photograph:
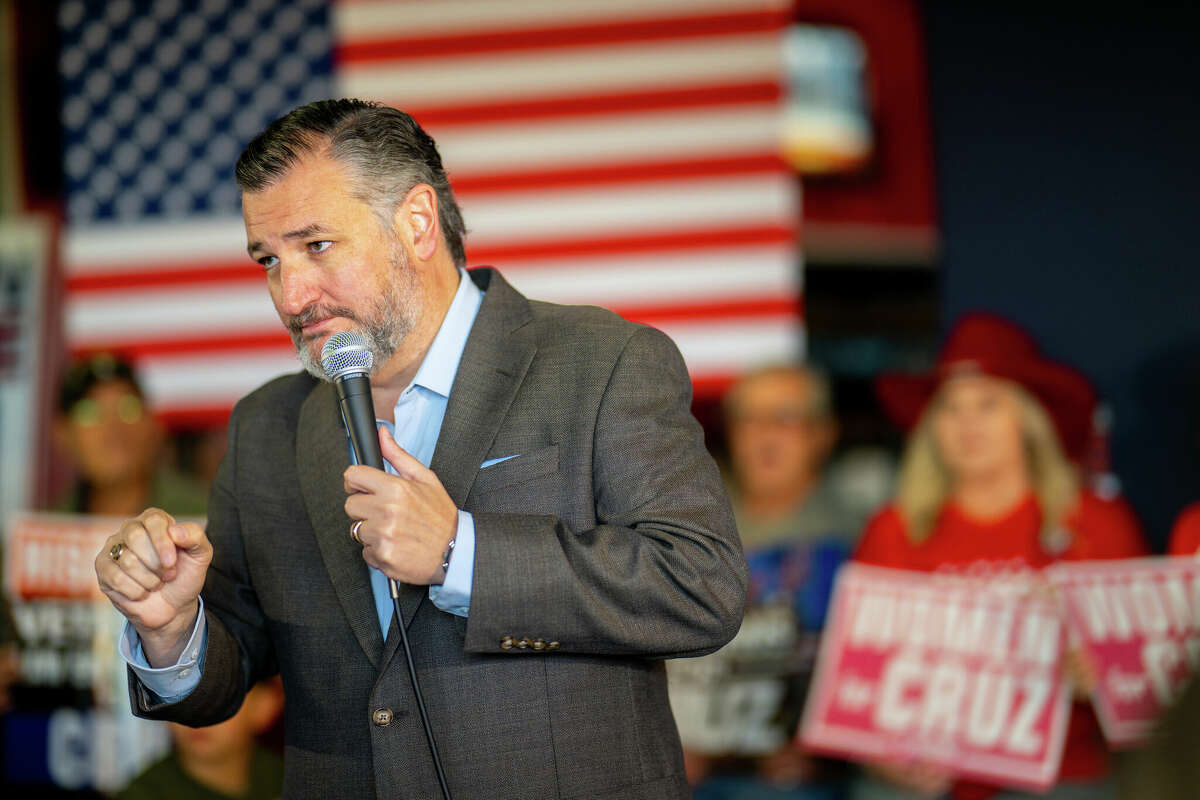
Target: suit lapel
(489, 374)
(322, 455)
(492, 368)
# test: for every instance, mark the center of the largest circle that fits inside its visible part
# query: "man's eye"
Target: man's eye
(268, 261)
(319, 247)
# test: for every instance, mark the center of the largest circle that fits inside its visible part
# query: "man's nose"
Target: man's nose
(297, 288)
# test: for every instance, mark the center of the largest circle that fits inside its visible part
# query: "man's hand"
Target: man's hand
(407, 520)
(156, 580)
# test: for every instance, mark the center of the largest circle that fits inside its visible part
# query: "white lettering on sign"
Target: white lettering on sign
(885, 619)
(950, 700)
(1144, 606)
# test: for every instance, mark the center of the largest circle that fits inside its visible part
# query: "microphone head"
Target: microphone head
(346, 353)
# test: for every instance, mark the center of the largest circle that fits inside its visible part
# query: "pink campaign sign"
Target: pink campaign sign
(957, 672)
(1137, 619)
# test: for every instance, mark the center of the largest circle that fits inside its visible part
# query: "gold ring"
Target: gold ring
(116, 550)
(354, 530)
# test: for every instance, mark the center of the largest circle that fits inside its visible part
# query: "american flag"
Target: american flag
(622, 153)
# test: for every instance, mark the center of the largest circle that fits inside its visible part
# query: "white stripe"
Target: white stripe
(607, 139)
(733, 347)
(123, 318)
(702, 204)
(156, 246)
(495, 77)
(181, 382)
(661, 279)
(389, 18)
(118, 318)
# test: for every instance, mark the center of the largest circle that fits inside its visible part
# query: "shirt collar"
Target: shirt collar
(440, 364)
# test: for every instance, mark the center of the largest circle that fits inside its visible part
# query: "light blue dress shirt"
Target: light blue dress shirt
(418, 416)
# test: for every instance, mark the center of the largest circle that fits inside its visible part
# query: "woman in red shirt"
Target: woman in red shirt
(986, 485)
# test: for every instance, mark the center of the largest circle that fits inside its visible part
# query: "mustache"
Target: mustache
(315, 313)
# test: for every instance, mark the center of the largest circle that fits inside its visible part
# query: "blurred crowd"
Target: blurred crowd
(997, 476)
(993, 478)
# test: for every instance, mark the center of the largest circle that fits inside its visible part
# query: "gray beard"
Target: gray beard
(391, 316)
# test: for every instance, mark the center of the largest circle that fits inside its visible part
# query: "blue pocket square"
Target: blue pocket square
(493, 461)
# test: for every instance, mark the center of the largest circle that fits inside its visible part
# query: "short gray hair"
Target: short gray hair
(387, 152)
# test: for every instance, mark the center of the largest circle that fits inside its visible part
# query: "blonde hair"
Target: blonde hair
(924, 483)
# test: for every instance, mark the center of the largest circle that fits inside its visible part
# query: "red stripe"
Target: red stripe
(575, 105)
(399, 48)
(147, 277)
(628, 172)
(637, 243)
(712, 385)
(206, 274)
(196, 418)
(272, 341)
(740, 309)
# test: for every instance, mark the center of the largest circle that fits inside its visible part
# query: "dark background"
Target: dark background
(1067, 147)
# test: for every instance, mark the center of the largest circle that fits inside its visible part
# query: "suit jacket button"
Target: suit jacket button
(382, 717)
(538, 643)
(552, 646)
(523, 643)
(506, 643)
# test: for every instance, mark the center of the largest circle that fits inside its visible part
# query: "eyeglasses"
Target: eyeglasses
(128, 409)
(780, 418)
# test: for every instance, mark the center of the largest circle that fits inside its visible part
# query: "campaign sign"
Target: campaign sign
(70, 727)
(1137, 619)
(744, 699)
(956, 672)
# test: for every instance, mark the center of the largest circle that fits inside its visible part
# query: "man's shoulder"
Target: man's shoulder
(552, 319)
(548, 322)
(279, 397)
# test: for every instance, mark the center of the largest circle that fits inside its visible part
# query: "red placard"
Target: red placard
(956, 672)
(52, 555)
(1137, 619)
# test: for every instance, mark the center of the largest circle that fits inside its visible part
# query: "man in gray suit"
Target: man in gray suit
(549, 508)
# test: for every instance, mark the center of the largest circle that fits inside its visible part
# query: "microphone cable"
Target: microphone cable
(394, 588)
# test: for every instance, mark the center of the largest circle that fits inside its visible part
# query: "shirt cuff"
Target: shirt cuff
(454, 594)
(171, 683)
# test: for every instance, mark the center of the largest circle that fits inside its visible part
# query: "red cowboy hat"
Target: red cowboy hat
(994, 346)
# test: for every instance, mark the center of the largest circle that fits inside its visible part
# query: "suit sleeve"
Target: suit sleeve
(661, 574)
(237, 652)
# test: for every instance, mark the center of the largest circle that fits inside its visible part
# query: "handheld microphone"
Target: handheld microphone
(347, 361)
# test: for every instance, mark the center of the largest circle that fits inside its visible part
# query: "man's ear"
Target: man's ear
(416, 221)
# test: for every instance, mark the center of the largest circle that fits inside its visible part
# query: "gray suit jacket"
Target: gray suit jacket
(609, 536)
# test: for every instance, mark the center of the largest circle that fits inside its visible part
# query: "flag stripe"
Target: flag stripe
(766, 163)
(576, 105)
(609, 140)
(357, 20)
(243, 271)
(277, 340)
(687, 63)
(710, 347)
(375, 48)
(120, 319)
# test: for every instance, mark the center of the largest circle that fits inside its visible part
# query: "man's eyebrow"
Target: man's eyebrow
(315, 229)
